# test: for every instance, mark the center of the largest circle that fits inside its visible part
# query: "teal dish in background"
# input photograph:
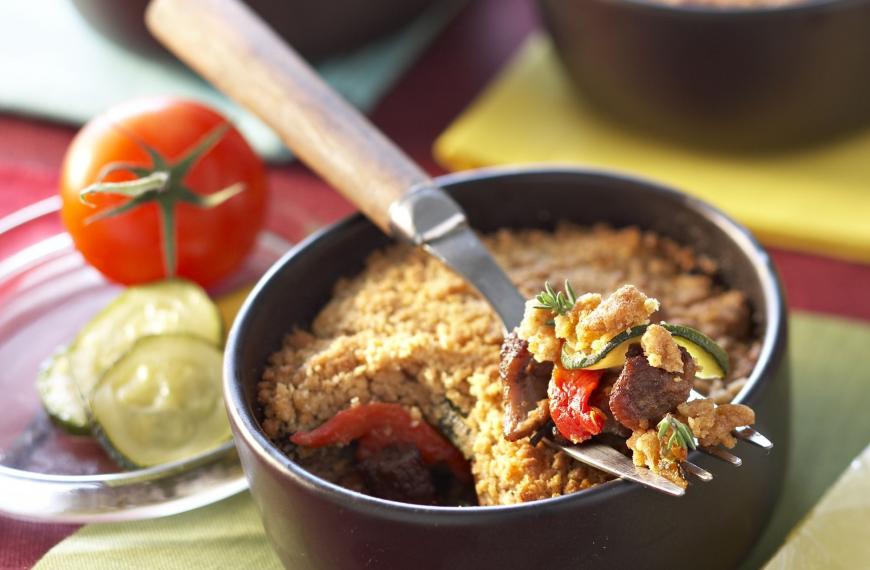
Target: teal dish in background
(65, 71)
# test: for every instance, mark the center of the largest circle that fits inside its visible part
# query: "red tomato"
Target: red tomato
(377, 425)
(569, 393)
(128, 248)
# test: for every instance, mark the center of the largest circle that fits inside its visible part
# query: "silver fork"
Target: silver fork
(429, 218)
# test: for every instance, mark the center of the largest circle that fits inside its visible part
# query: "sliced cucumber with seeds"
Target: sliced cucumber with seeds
(61, 397)
(162, 401)
(711, 359)
(172, 306)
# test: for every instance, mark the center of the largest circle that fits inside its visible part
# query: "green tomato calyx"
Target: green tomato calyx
(162, 183)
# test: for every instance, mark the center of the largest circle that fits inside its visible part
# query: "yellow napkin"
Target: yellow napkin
(828, 359)
(816, 199)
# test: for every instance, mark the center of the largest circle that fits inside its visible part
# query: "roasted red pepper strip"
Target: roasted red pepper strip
(377, 425)
(569, 393)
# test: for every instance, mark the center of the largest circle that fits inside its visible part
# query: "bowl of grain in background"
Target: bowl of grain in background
(737, 74)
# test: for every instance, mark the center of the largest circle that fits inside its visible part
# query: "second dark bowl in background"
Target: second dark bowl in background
(733, 77)
(316, 29)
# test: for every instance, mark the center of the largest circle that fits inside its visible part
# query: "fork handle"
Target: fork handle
(228, 44)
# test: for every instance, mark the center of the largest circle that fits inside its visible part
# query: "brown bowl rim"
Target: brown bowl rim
(734, 11)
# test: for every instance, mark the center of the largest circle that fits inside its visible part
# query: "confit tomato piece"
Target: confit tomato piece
(378, 425)
(569, 392)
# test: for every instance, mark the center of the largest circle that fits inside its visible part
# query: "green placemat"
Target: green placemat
(227, 534)
(830, 367)
(55, 66)
(834, 535)
(829, 360)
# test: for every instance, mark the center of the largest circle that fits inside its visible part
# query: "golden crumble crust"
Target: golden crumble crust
(624, 308)
(661, 350)
(712, 424)
(409, 330)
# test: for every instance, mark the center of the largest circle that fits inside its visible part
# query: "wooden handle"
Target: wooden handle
(233, 48)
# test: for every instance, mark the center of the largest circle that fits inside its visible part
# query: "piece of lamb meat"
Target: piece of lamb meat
(524, 388)
(397, 473)
(642, 394)
(601, 399)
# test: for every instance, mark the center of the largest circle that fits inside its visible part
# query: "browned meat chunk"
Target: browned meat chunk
(398, 473)
(643, 394)
(524, 385)
(601, 399)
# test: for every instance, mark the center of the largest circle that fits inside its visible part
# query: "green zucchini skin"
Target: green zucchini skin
(613, 354)
(60, 395)
(576, 360)
(170, 306)
(453, 424)
(67, 380)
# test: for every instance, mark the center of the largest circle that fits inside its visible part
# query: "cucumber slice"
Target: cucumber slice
(171, 306)
(712, 360)
(61, 397)
(162, 401)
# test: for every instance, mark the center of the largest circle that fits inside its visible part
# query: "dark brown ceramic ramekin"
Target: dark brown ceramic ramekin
(316, 29)
(734, 77)
(314, 524)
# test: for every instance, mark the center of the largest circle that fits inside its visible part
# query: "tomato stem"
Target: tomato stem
(153, 182)
(168, 231)
(163, 183)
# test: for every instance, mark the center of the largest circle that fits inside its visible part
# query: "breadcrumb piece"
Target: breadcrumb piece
(647, 452)
(661, 349)
(625, 308)
(566, 325)
(537, 330)
(712, 424)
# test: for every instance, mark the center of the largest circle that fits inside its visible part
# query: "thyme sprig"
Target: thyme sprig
(681, 435)
(556, 301)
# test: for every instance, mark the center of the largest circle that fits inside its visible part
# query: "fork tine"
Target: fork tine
(697, 471)
(725, 456)
(611, 461)
(753, 436)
